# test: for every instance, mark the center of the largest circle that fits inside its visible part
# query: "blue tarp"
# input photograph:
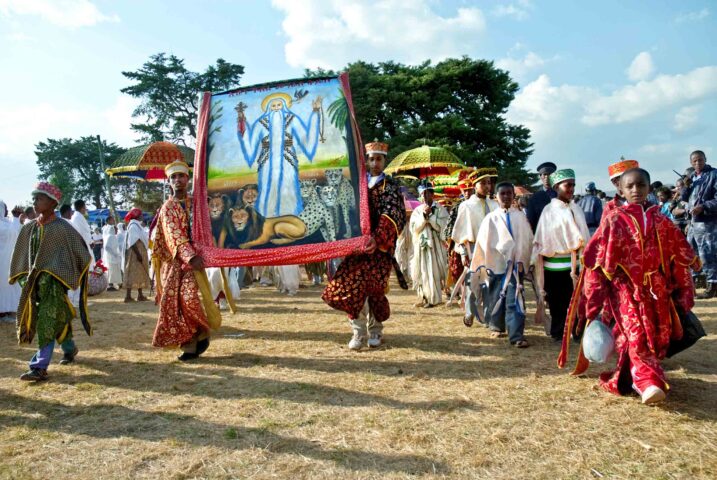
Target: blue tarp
(99, 216)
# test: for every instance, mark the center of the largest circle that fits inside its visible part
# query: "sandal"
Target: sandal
(468, 320)
(521, 344)
(494, 334)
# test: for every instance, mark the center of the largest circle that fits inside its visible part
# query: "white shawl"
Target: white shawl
(470, 215)
(495, 245)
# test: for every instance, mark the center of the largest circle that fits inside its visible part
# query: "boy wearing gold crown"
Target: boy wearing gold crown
(182, 321)
(49, 259)
(361, 282)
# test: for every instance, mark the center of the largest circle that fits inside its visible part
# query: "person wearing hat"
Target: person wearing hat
(542, 197)
(136, 257)
(560, 236)
(615, 171)
(465, 232)
(50, 257)
(637, 266)
(360, 284)
(182, 321)
(455, 260)
(592, 207)
(430, 258)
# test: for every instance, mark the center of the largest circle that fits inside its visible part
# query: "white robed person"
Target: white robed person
(273, 141)
(429, 268)
(79, 222)
(9, 294)
(111, 255)
(465, 232)
(500, 260)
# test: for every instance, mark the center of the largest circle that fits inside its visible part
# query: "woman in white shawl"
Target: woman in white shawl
(429, 267)
(560, 237)
(136, 258)
(111, 255)
(9, 294)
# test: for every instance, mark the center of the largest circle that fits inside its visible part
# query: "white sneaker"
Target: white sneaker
(652, 395)
(357, 341)
(375, 340)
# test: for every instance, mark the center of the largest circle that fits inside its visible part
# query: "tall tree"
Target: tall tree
(169, 95)
(459, 104)
(75, 165)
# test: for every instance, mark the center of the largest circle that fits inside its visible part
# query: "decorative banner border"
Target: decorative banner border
(289, 255)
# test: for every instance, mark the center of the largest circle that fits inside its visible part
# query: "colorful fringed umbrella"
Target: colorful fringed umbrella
(425, 162)
(147, 162)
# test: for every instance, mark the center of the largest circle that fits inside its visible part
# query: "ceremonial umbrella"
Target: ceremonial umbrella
(519, 190)
(425, 162)
(147, 162)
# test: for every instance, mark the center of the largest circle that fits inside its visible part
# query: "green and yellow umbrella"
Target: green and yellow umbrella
(424, 162)
(147, 162)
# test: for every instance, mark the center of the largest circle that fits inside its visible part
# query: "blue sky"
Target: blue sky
(598, 79)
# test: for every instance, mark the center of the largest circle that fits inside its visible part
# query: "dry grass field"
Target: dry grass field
(289, 400)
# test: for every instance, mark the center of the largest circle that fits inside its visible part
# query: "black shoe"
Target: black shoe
(68, 358)
(202, 346)
(187, 356)
(34, 375)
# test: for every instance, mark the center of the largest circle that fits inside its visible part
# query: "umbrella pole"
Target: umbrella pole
(107, 179)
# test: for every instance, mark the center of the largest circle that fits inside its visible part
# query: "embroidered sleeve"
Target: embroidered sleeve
(392, 219)
(175, 228)
(594, 294)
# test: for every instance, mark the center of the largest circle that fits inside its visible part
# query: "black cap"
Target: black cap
(547, 167)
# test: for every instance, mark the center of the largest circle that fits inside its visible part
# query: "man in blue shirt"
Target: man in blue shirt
(701, 198)
(592, 207)
(542, 197)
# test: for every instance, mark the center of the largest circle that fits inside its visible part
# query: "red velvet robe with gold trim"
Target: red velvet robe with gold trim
(637, 265)
(365, 276)
(180, 310)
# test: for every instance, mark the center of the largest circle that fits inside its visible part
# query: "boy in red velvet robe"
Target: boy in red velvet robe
(637, 265)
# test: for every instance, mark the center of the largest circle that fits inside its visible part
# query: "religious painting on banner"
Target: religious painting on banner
(279, 175)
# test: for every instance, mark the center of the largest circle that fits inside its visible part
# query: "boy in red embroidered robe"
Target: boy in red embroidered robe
(361, 282)
(637, 265)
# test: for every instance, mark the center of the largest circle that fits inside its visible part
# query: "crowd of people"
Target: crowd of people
(629, 262)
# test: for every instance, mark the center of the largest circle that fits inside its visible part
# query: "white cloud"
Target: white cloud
(519, 67)
(686, 118)
(519, 11)
(543, 107)
(645, 98)
(692, 16)
(63, 13)
(23, 126)
(332, 33)
(641, 67)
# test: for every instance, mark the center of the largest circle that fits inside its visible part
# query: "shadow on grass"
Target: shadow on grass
(438, 368)
(172, 378)
(692, 396)
(115, 421)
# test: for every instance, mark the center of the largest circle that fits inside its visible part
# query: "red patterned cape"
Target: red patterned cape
(180, 309)
(365, 276)
(637, 265)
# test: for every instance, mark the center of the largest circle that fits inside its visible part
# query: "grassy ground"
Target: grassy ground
(289, 400)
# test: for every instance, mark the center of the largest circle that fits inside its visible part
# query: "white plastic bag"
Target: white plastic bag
(598, 343)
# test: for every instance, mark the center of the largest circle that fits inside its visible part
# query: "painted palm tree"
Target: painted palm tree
(339, 112)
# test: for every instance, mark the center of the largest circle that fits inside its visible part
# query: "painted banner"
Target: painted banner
(279, 175)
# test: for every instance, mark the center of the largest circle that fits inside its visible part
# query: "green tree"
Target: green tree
(75, 166)
(169, 95)
(459, 104)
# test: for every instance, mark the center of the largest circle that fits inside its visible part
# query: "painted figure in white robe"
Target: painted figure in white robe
(271, 141)
(429, 268)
